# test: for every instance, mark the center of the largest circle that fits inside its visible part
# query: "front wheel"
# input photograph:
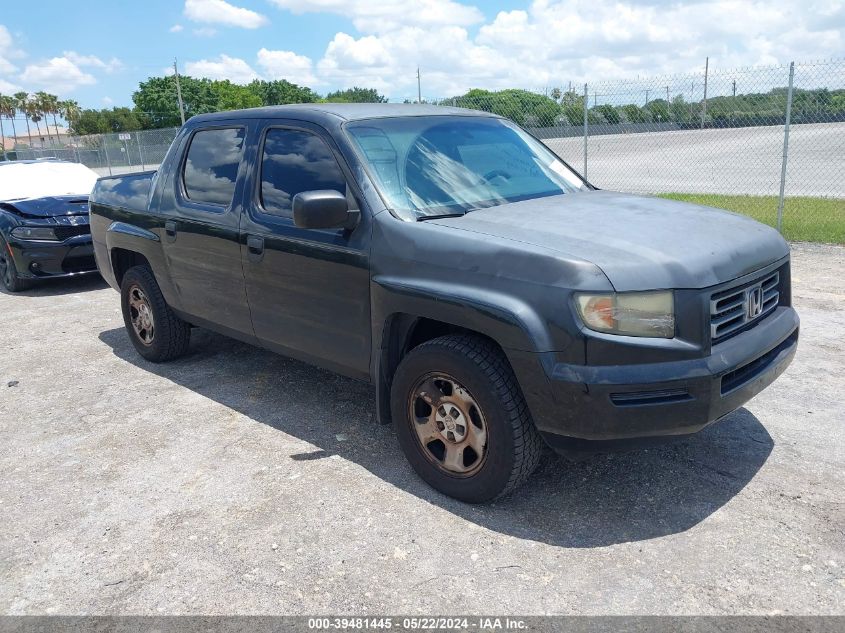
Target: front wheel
(461, 419)
(154, 329)
(9, 272)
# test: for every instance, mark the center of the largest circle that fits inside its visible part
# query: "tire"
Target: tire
(489, 411)
(9, 272)
(154, 329)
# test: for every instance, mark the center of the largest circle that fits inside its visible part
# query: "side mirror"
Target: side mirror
(323, 209)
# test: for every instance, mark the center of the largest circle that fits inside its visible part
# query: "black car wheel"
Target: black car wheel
(9, 272)
(154, 329)
(461, 419)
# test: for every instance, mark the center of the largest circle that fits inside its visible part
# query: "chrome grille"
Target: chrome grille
(734, 309)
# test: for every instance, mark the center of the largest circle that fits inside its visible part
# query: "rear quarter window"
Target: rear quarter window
(211, 166)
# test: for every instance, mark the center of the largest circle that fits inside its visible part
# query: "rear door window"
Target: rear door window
(211, 166)
(295, 161)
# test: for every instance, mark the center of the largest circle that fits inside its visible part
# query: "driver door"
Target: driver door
(308, 289)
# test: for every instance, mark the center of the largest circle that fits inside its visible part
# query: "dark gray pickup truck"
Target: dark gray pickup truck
(494, 298)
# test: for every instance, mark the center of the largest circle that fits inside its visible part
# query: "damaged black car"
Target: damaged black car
(44, 230)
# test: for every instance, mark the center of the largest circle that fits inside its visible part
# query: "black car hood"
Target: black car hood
(640, 242)
(49, 207)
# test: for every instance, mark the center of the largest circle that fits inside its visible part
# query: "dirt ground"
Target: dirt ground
(234, 481)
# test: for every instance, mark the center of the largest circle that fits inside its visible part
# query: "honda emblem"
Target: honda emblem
(755, 301)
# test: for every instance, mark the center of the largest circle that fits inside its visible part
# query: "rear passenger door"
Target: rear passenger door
(201, 230)
(308, 289)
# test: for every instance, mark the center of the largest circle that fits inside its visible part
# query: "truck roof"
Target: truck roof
(338, 112)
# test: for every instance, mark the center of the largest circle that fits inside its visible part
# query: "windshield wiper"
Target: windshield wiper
(439, 217)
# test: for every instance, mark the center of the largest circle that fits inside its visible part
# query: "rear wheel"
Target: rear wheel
(9, 272)
(461, 419)
(154, 329)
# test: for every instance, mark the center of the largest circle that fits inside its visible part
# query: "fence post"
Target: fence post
(785, 146)
(704, 104)
(140, 151)
(586, 120)
(106, 150)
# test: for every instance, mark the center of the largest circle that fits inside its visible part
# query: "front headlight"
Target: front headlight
(629, 313)
(34, 233)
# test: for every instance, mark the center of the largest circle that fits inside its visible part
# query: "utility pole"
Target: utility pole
(419, 89)
(179, 92)
(647, 90)
(704, 104)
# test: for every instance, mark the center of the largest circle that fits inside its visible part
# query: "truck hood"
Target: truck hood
(640, 242)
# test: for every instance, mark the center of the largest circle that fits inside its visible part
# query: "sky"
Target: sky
(97, 51)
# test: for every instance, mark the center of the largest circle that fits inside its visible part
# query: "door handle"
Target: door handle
(255, 247)
(170, 229)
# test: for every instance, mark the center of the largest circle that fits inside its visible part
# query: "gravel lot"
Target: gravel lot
(237, 481)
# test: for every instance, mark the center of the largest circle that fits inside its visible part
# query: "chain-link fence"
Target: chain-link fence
(110, 154)
(767, 142)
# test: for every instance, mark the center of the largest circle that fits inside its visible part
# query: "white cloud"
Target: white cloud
(221, 12)
(57, 75)
(7, 87)
(8, 51)
(376, 16)
(224, 67)
(287, 65)
(108, 101)
(272, 64)
(176, 28)
(554, 41)
(92, 61)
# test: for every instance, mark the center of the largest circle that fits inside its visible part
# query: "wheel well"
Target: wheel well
(122, 260)
(404, 332)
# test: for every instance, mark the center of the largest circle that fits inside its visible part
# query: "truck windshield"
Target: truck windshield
(443, 165)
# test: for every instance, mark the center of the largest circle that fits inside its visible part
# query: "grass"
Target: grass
(804, 219)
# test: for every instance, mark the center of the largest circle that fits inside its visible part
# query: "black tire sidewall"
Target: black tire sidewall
(18, 284)
(494, 475)
(143, 278)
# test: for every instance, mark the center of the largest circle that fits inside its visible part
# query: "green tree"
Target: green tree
(606, 112)
(21, 101)
(657, 111)
(679, 110)
(9, 108)
(69, 110)
(105, 121)
(233, 97)
(42, 103)
(156, 99)
(572, 107)
(356, 95)
(281, 92)
(521, 106)
(632, 113)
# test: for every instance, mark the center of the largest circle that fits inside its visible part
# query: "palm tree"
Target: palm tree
(70, 112)
(21, 103)
(8, 109)
(2, 131)
(53, 103)
(41, 103)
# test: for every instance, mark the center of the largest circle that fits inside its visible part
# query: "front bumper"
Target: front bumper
(49, 260)
(582, 407)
